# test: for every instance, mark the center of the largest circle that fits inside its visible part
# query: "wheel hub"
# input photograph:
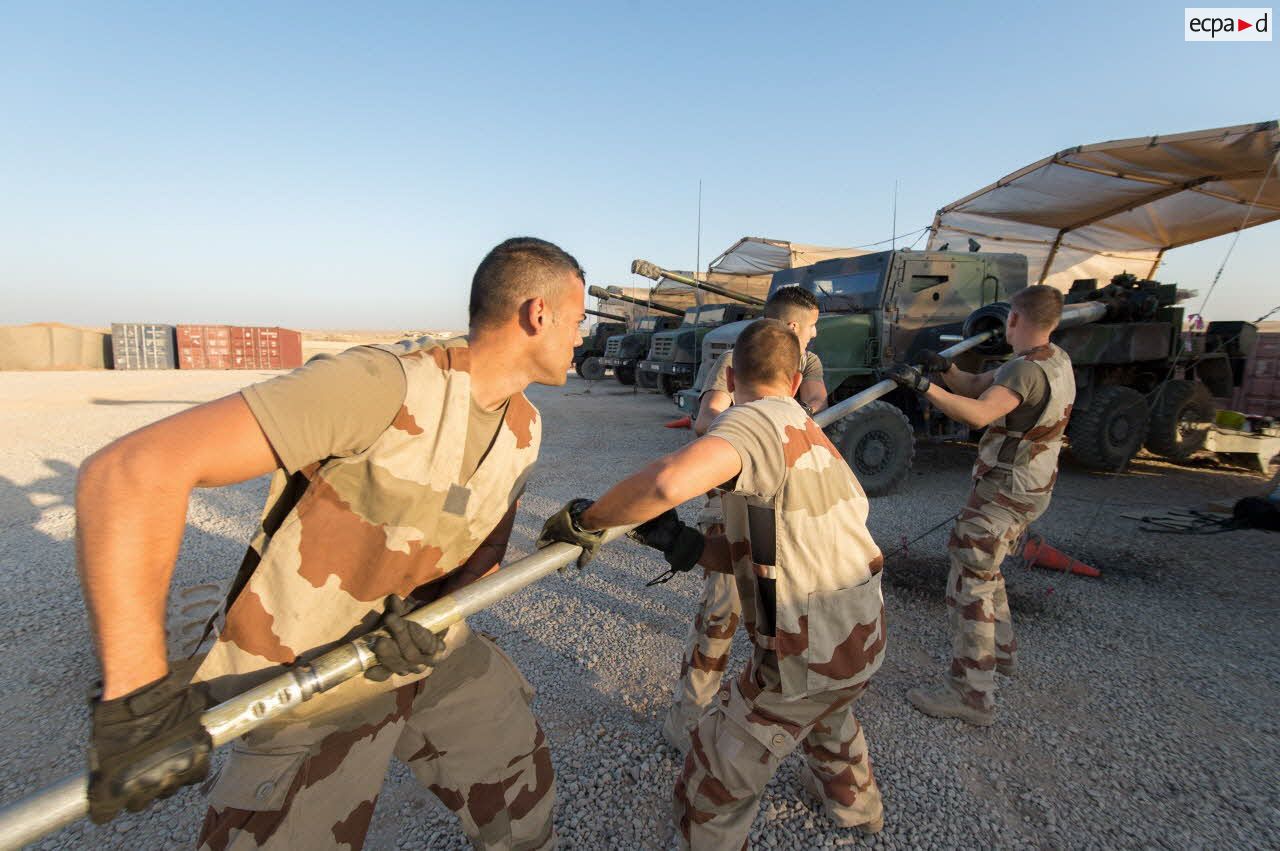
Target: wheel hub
(874, 451)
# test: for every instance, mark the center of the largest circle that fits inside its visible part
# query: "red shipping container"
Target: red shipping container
(204, 347)
(257, 347)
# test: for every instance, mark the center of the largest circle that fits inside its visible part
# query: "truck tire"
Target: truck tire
(1108, 433)
(878, 444)
(625, 375)
(1178, 403)
(591, 369)
(646, 380)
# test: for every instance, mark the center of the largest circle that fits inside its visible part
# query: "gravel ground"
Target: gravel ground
(1143, 714)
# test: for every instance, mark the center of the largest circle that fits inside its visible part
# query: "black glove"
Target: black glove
(563, 527)
(409, 648)
(931, 361)
(147, 744)
(907, 376)
(680, 544)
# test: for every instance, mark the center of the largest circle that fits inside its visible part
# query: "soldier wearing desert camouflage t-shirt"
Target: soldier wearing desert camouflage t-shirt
(397, 472)
(814, 611)
(1025, 406)
(710, 637)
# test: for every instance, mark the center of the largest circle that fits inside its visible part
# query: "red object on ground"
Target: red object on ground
(683, 422)
(1036, 553)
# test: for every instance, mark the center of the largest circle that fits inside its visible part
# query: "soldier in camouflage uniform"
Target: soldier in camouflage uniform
(710, 638)
(814, 612)
(398, 471)
(1025, 405)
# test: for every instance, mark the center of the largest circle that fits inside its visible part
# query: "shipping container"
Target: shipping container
(255, 347)
(142, 345)
(204, 347)
(1259, 390)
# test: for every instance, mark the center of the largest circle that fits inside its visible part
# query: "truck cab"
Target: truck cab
(623, 351)
(674, 355)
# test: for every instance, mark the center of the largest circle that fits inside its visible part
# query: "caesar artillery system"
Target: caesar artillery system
(587, 355)
(623, 351)
(674, 355)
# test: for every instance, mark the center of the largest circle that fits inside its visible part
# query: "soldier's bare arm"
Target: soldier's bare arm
(813, 394)
(967, 383)
(993, 404)
(131, 507)
(713, 404)
(706, 463)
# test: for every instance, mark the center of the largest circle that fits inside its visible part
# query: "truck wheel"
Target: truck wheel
(1178, 404)
(625, 374)
(877, 442)
(646, 380)
(1108, 433)
(591, 369)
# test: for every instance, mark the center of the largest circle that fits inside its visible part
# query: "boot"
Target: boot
(943, 702)
(810, 784)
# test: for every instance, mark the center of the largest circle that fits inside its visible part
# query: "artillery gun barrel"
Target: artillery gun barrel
(656, 272)
(1072, 315)
(26, 821)
(599, 292)
(617, 317)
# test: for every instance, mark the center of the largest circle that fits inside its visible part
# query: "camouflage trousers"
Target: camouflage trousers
(988, 526)
(466, 731)
(739, 744)
(710, 639)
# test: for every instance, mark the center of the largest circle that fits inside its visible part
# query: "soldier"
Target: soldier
(397, 474)
(814, 611)
(710, 638)
(1024, 405)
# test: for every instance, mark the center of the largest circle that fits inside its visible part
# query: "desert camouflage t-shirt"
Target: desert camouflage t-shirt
(337, 406)
(807, 569)
(1029, 382)
(810, 370)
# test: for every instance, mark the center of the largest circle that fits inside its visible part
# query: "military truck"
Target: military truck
(1139, 381)
(875, 309)
(674, 355)
(623, 351)
(1136, 380)
(586, 357)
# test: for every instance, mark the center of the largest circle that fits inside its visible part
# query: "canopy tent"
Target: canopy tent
(748, 265)
(1094, 211)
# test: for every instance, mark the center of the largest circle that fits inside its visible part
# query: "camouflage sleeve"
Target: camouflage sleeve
(719, 377)
(757, 443)
(810, 367)
(332, 407)
(1024, 378)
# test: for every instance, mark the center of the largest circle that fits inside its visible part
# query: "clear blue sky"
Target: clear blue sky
(315, 165)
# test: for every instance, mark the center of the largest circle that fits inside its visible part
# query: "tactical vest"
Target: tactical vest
(385, 521)
(807, 570)
(1030, 465)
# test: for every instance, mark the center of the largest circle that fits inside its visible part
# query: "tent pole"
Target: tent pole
(1155, 264)
(1053, 252)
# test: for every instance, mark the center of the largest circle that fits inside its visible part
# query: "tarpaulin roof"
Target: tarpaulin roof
(1096, 210)
(748, 265)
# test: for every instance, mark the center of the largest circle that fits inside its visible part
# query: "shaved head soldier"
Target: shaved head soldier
(1024, 406)
(397, 471)
(710, 638)
(814, 611)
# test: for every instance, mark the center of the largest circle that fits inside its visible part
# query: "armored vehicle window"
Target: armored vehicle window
(691, 316)
(920, 283)
(711, 314)
(648, 323)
